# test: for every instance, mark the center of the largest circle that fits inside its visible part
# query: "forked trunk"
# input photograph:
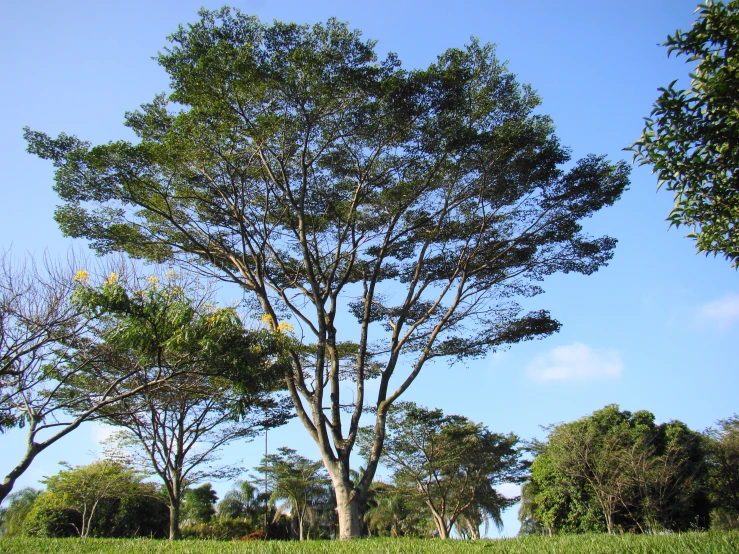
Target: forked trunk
(439, 522)
(442, 529)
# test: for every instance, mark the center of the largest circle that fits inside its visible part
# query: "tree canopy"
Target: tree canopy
(723, 471)
(690, 139)
(289, 160)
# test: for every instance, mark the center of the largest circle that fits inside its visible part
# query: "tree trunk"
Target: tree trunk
(32, 449)
(348, 512)
(174, 521)
(439, 521)
(609, 523)
(348, 498)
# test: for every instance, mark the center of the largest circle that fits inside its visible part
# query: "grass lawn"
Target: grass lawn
(712, 542)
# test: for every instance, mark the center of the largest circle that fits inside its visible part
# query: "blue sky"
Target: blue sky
(653, 330)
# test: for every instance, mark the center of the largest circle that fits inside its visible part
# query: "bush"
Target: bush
(218, 529)
(133, 516)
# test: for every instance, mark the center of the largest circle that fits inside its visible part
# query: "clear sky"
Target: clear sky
(654, 330)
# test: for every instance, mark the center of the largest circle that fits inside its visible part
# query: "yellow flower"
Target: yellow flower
(266, 318)
(170, 275)
(82, 276)
(285, 327)
(153, 280)
(112, 279)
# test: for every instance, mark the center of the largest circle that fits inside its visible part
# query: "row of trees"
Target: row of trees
(618, 471)
(444, 470)
(613, 471)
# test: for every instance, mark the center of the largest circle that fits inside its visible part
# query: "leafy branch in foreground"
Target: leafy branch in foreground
(691, 138)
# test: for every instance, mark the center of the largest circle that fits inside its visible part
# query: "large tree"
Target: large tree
(291, 161)
(691, 138)
(450, 464)
(222, 384)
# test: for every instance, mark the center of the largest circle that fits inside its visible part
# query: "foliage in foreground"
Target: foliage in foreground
(690, 138)
(696, 543)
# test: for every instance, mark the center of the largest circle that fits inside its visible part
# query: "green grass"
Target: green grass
(713, 542)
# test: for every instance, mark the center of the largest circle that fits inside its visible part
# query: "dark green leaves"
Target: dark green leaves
(691, 138)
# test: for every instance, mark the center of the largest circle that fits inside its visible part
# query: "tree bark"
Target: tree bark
(32, 450)
(347, 509)
(174, 521)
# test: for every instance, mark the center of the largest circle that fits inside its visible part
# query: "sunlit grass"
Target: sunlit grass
(713, 542)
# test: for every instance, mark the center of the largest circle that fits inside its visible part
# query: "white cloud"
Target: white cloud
(509, 490)
(723, 312)
(576, 362)
(101, 432)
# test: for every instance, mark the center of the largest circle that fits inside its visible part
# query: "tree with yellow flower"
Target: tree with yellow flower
(216, 380)
(47, 341)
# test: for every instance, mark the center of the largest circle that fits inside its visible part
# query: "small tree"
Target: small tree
(292, 162)
(241, 502)
(451, 463)
(296, 480)
(395, 511)
(199, 503)
(690, 139)
(617, 470)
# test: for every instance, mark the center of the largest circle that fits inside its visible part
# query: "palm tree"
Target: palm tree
(296, 481)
